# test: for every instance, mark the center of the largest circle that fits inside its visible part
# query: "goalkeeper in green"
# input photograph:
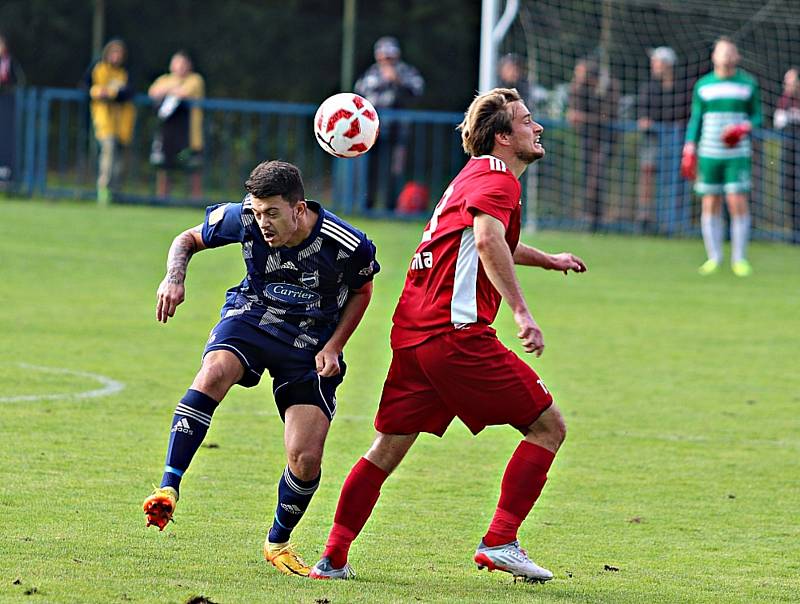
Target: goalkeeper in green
(726, 106)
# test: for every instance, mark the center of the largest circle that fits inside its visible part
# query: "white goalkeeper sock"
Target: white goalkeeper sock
(711, 226)
(740, 235)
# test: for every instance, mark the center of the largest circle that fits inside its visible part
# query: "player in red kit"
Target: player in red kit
(447, 361)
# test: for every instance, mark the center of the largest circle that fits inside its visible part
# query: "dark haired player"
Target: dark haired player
(308, 284)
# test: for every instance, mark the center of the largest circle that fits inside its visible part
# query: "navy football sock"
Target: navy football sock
(294, 495)
(189, 426)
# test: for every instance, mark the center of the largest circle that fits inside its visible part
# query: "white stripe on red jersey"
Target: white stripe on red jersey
(498, 165)
(446, 284)
(463, 306)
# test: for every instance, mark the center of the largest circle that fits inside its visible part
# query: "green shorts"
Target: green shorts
(718, 176)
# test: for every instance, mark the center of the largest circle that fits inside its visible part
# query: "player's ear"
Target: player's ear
(502, 138)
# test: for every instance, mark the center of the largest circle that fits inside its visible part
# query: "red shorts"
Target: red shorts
(465, 373)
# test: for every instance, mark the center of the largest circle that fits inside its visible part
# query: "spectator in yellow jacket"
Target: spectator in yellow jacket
(179, 142)
(113, 114)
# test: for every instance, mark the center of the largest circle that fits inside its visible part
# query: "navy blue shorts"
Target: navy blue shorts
(294, 371)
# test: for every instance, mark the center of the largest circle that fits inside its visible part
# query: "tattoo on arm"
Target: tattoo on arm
(181, 250)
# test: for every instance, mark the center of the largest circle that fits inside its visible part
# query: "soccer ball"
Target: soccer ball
(346, 125)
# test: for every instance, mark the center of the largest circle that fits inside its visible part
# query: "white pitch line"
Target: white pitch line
(109, 386)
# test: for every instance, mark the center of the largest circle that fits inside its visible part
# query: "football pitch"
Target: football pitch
(678, 482)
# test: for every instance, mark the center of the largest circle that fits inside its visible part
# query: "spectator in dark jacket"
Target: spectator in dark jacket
(388, 84)
(787, 119)
(11, 76)
(662, 105)
(593, 102)
(11, 73)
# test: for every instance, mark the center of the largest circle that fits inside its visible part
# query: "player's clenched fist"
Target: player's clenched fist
(327, 363)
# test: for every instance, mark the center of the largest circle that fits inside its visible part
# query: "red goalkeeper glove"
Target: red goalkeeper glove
(732, 134)
(689, 162)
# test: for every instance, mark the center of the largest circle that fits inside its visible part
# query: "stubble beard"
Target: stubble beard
(528, 157)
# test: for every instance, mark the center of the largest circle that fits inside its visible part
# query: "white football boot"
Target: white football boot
(511, 558)
(324, 570)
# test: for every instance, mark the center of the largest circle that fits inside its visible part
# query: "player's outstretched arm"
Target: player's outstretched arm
(327, 359)
(530, 256)
(498, 263)
(172, 291)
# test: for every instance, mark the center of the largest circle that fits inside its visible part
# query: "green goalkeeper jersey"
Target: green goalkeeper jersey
(718, 103)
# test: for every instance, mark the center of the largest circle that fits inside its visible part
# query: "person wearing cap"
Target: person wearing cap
(662, 106)
(388, 84)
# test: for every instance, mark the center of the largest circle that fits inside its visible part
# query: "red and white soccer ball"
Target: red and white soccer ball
(346, 125)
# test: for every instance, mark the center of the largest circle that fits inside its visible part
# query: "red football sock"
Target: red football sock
(360, 493)
(523, 481)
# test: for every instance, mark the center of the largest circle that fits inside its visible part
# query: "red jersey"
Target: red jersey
(446, 285)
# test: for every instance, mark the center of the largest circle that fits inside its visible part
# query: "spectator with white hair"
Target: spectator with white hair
(662, 105)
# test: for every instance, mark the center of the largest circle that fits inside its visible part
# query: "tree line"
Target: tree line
(268, 50)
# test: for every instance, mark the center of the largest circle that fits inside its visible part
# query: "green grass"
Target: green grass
(680, 469)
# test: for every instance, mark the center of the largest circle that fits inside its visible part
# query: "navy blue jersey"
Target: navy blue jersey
(296, 294)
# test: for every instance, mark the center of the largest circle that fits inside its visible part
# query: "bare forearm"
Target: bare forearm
(499, 266)
(530, 256)
(498, 262)
(157, 92)
(183, 247)
(352, 313)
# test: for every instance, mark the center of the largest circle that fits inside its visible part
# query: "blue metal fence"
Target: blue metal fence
(58, 151)
(56, 156)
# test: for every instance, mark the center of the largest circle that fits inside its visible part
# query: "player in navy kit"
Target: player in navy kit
(308, 284)
(446, 359)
